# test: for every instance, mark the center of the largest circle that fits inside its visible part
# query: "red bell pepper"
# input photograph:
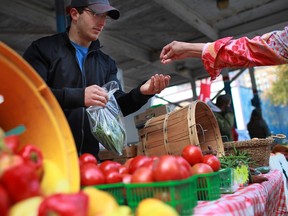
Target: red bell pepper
(21, 182)
(75, 204)
(8, 161)
(12, 142)
(33, 156)
(4, 201)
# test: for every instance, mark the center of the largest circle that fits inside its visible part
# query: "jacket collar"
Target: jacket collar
(95, 45)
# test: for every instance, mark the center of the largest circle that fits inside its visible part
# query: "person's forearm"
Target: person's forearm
(194, 50)
(265, 50)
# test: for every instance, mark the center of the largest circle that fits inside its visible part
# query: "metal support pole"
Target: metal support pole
(226, 80)
(255, 100)
(193, 86)
(60, 15)
(227, 88)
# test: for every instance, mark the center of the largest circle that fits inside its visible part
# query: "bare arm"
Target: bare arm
(180, 50)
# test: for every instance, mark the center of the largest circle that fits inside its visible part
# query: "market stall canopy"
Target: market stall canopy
(136, 39)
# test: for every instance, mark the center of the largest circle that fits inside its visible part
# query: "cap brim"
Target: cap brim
(101, 8)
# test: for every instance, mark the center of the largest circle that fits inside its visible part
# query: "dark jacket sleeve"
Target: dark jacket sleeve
(128, 102)
(132, 101)
(42, 61)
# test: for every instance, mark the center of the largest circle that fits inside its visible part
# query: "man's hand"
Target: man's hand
(155, 84)
(95, 96)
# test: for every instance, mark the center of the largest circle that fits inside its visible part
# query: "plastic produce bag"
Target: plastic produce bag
(106, 123)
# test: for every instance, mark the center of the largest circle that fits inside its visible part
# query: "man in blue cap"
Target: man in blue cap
(74, 67)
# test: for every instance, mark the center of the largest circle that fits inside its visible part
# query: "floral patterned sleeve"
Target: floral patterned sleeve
(268, 49)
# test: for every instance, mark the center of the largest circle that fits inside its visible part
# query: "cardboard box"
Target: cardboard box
(128, 152)
(141, 118)
(140, 149)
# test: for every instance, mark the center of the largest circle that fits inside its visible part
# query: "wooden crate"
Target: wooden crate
(170, 133)
(128, 152)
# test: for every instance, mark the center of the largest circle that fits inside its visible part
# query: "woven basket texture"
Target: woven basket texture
(258, 149)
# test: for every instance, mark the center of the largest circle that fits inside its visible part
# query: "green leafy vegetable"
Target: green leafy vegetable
(235, 159)
(111, 136)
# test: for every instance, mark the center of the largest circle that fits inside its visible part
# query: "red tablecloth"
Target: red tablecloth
(267, 198)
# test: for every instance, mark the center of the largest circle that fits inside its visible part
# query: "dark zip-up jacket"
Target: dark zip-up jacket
(54, 58)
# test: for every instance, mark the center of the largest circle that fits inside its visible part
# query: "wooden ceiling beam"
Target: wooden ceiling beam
(127, 49)
(29, 13)
(188, 15)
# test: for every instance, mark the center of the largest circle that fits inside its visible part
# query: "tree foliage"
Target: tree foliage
(278, 94)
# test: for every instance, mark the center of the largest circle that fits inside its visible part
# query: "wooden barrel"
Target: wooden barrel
(170, 133)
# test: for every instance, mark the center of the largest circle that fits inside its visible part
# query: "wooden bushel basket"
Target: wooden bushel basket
(170, 133)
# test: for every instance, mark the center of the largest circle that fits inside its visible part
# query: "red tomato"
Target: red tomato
(184, 167)
(201, 168)
(126, 178)
(184, 172)
(154, 157)
(149, 164)
(90, 174)
(183, 162)
(109, 165)
(192, 154)
(127, 162)
(166, 168)
(112, 176)
(87, 157)
(142, 175)
(123, 170)
(137, 162)
(212, 161)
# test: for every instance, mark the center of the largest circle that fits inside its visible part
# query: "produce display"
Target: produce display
(167, 178)
(145, 169)
(33, 185)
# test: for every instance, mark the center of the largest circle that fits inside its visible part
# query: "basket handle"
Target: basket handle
(144, 144)
(165, 132)
(202, 130)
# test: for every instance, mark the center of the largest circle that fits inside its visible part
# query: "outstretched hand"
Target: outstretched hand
(180, 50)
(155, 84)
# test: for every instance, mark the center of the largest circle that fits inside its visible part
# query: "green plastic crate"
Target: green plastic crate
(227, 184)
(208, 186)
(117, 190)
(181, 194)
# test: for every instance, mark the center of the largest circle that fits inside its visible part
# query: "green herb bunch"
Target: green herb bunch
(235, 159)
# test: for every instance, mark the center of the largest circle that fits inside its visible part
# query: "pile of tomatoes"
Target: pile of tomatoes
(145, 169)
(200, 163)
